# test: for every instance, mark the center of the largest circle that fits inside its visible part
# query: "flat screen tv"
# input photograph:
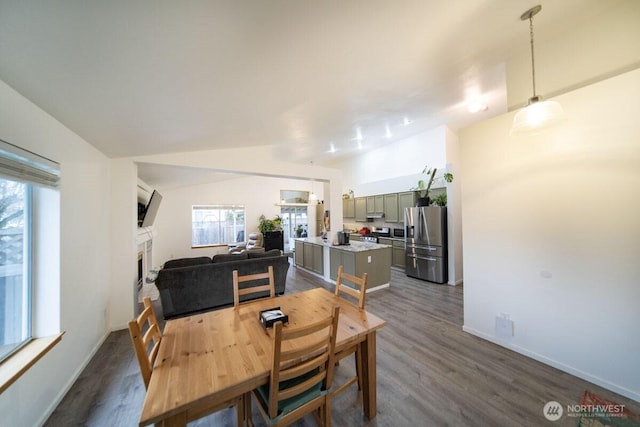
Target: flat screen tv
(151, 210)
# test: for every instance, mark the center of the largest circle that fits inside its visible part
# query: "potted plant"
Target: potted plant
(425, 184)
(265, 225)
(299, 230)
(440, 199)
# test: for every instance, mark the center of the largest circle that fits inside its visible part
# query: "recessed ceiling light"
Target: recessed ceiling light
(387, 132)
(332, 148)
(406, 121)
(476, 107)
(359, 136)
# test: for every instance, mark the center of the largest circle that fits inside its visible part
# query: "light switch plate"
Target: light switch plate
(504, 327)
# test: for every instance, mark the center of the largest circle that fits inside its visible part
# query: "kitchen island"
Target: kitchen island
(323, 258)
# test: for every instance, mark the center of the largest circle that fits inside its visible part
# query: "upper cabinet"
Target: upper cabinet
(391, 207)
(361, 209)
(375, 205)
(405, 200)
(388, 207)
(349, 208)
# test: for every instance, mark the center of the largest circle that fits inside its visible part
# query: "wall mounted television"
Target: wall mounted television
(147, 215)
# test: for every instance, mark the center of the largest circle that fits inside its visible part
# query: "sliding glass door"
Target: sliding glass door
(294, 224)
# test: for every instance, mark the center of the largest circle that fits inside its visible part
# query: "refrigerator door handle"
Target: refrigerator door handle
(422, 257)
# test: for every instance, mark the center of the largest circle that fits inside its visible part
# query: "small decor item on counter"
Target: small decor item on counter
(424, 185)
(364, 230)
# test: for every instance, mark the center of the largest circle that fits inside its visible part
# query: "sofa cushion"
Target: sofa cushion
(267, 254)
(187, 262)
(229, 257)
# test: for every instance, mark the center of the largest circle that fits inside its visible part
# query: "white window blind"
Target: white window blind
(25, 166)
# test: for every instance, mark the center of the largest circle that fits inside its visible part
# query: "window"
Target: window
(216, 225)
(20, 172)
(15, 263)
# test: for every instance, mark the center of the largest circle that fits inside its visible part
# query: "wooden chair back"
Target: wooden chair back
(302, 358)
(145, 336)
(253, 288)
(359, 282)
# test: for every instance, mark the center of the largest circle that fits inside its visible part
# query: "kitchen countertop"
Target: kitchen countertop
(400, 239)
(353, 246)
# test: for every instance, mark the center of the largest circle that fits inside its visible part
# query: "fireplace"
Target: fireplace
(140, 268)
(144, 262)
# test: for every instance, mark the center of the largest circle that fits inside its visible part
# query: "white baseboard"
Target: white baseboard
(72, 380)
(631, 394)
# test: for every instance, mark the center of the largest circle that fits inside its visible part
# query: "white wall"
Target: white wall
(551, 235)
(123, 259)
(258, 194)
(395, 167)
(84, 277)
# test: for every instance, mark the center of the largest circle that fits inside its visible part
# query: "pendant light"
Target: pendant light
(537, 114)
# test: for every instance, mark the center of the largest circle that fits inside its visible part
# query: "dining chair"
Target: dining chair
(358, 292)
(301, 373)
(254, 287)
(146, 337)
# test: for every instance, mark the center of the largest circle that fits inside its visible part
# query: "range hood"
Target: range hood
(377, 215)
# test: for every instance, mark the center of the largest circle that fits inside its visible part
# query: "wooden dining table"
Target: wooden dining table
(212, 357)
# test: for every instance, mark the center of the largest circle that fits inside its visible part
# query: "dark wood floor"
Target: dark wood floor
(430, 372)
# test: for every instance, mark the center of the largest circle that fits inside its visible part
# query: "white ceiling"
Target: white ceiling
(147, 77)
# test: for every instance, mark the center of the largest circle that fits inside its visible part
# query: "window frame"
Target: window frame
(41, 176)
(217, 207)
(26, 318)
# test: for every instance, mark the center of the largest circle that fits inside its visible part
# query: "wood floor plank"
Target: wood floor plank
(430, 372)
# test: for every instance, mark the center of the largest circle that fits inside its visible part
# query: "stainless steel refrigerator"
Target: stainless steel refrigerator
(425, 244)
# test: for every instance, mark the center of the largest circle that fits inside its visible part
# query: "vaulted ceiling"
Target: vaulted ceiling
(146, 77)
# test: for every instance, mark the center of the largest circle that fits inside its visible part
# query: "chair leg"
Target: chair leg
(247, 409)
(358, 355)
(327, 412)
(240, 412)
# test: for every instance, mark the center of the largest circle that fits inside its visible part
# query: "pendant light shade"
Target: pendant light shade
(538, 114)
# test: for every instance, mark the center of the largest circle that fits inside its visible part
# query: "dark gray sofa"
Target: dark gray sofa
(192, 285)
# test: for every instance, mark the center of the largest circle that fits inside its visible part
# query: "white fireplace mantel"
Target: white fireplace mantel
(144, 235)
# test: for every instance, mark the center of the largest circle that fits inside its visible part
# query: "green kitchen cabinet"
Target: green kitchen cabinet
(349, 208)
(405, 200)
(376, 263)
(309, 256)
(361, 209)
(375, 204)
(398, 254)
(299, 253)
(339, 257)
(391, 208)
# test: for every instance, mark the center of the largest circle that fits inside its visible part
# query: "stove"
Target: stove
(381, 231)
(371, 238)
